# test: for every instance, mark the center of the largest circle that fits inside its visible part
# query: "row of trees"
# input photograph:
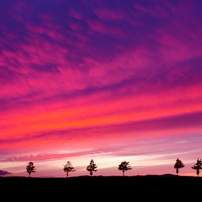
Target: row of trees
(92, 167)
(196, 167)
(124, 166)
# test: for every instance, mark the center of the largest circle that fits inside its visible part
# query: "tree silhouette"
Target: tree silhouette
(92, 167)
(124, 166)
(68, 168)
(30, 168)
(178, 165)
(197, 166)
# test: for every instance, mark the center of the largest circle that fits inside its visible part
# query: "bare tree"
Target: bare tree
(197, 166)
(68, 168)
(30, 168)
(178, 165)
(92, 167)
(124, 166)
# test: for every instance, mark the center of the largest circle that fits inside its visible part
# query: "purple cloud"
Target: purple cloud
(3, 172)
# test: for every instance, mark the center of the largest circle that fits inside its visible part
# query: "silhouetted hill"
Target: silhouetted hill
(116, 185)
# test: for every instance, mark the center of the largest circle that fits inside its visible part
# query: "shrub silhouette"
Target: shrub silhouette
(124, 166)
(92, 167)
(30, 168)
(197, 166)
(178, 165)
(68, 168)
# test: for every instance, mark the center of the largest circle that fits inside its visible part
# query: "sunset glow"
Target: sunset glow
(106, 80)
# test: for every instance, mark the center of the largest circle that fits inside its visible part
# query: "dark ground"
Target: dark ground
(119, 187)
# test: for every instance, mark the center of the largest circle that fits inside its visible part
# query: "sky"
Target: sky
(106, 80)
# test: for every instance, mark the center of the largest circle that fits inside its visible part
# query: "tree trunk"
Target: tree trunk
(67, 173)
(123, 173)
(198, 172)
(177, 171)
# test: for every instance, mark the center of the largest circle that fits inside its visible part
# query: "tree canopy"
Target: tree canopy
(178, 165)
(68, 168)
(91, 167)
(197, 166)
(124, 166)
(30, 168)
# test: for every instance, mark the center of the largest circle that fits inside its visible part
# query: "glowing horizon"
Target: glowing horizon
(109, 81)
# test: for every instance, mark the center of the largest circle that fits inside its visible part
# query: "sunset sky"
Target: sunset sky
(100, 79)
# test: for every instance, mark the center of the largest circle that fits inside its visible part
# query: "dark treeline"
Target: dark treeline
(123, 166)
